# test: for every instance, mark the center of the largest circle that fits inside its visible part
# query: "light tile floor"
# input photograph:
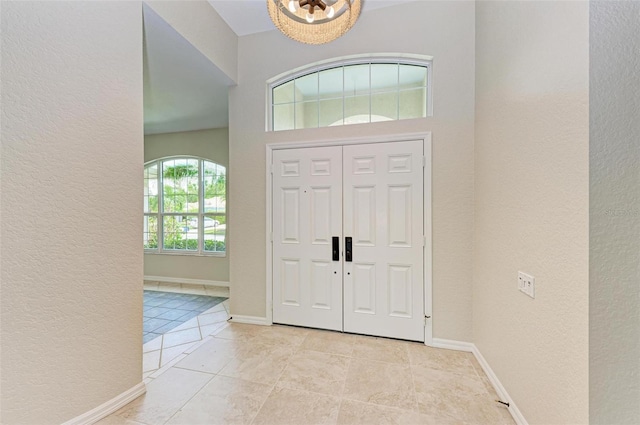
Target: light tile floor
(246, 374)
(160, 353)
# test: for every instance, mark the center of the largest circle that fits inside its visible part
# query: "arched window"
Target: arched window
(353, 92)
(185, 206)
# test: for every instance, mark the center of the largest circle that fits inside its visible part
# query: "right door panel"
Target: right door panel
(383, 214)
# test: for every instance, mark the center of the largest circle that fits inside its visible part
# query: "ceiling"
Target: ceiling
(250, 16)
(183, 90)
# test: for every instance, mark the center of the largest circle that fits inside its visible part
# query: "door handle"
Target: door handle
(348, 249)
(336, 248)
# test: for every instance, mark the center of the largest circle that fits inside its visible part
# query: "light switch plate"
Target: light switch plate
(527, 284)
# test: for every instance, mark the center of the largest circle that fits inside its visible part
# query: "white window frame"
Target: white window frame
(385, 58)
(200, 214)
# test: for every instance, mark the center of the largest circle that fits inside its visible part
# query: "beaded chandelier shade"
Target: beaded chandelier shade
(314, 21)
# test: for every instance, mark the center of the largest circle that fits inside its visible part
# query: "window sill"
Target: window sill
(187, 254)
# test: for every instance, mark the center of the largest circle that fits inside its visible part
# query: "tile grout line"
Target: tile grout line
(187, 352)
(481, 378)
(253, 418)
(413, 383)
(199, 327)
(273, 387)
(344, 384)
(213, 375)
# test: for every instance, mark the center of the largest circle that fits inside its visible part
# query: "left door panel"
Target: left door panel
(307, 215)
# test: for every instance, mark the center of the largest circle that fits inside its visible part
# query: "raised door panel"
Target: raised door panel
(290, 282)
(400, 290)
(363, 202)
(364, 288)
(321, 206)
(400, 211)
(321, 288)
(290, 216)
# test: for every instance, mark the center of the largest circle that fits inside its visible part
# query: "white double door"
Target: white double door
(348, 238)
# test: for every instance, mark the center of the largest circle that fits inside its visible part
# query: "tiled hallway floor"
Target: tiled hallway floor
(165, 349)
(164, 311)
(246, 374)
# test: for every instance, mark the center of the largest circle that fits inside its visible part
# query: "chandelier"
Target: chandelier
(314, 21)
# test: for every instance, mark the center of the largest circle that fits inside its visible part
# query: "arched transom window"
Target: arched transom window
(185, 206)
(352, 93)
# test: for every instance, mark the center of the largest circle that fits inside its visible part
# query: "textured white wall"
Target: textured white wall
(444, 30)
(531, 198)
(614, 243)
(209, 144)
(72, 155)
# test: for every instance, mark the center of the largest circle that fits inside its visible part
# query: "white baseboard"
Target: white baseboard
(111, 406)
(500, 390)
(215, 292)
(250, 320)
(187, 281)
(450, 344)
(497, 385)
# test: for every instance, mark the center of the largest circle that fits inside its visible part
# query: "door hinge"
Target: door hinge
(424, 241)
(271, 168)
(424, 161)
(271, 236)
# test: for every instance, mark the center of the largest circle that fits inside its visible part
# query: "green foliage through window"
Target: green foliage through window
(185, 202)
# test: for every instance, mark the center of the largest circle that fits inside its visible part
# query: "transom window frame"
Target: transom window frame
(383, 58)
(160, 214)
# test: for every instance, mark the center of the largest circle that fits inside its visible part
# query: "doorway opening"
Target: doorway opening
(186, 155)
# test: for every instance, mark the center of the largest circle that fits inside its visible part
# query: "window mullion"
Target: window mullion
(160, 206)
(343, 95)
(200, 206)
(398, 93)
(370, 93)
